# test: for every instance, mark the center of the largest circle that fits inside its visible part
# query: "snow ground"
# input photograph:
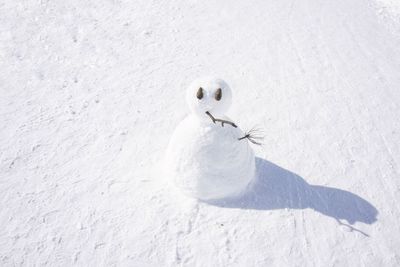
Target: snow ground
(392, 6)
(389, 13)
(92, 90)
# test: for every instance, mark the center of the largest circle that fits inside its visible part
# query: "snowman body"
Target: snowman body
(204, 159)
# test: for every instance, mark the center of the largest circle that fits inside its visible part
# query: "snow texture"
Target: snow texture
(392, 6)
(91, 92)
(205, 159)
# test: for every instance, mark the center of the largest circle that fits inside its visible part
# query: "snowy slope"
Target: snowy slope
(91, 91)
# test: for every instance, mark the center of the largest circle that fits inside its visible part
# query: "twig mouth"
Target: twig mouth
(220, 120)
(253, 135)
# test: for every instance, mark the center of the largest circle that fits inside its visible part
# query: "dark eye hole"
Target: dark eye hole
(218, 94)
(200, 93)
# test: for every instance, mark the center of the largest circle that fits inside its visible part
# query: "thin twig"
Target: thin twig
(220, 120)
(252, 136)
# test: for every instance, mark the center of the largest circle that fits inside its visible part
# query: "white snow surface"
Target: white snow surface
(91, 92)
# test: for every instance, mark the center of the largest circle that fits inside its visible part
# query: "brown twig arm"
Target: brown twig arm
(243, 137)
(253, 137)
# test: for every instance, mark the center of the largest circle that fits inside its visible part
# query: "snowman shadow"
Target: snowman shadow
(277, 188)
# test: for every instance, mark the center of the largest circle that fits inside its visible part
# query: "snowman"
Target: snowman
(208, 156)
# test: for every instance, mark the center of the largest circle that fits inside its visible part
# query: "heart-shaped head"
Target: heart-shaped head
(209, 94)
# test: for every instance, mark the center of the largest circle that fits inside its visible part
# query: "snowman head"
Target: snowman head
(209, 94)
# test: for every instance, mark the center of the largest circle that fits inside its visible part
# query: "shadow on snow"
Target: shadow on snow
(277, 188)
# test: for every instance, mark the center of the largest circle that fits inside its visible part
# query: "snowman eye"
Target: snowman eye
(218, 94)
(200, 94)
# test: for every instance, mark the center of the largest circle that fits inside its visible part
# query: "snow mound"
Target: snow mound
(205, 159)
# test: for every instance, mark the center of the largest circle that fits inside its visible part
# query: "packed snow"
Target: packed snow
(92, 92)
